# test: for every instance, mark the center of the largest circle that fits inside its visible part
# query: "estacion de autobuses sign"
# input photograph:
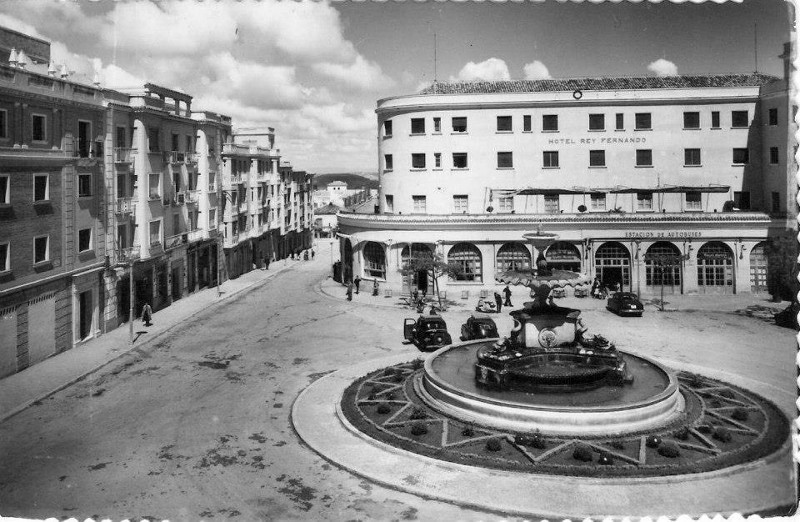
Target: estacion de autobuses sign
(663, 234)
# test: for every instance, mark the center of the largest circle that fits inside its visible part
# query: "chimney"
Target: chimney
(12, 58)
(64, 73)
(22, 60)
(787, 60)
(52, 70)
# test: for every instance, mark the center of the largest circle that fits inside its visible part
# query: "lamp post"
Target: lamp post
(131, 302)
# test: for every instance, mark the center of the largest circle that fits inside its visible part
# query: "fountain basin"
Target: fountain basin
(652, 401)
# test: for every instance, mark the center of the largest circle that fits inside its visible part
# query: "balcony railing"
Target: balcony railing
(232, 240)
(122, 155)
(128, 254)
(175, 156)
(192, 196)
(174, 241)
(194, 235)
(126, 206)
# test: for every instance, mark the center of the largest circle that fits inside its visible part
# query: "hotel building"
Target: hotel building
(628, 172)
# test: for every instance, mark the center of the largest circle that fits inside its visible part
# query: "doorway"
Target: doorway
(84, 314)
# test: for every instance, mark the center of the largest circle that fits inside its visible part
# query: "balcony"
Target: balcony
(231, 241)
(122, 155)
(192, 157)
(194, 235)
(128, 254)
(126, 206)
(192, 196)
(231, 182)
(175, 157)
(212, 186)
(174, 241)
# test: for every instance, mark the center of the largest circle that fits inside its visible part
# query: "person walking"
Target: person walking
(357, 282)
(147, 314)
(266, 263)
(375, 289)
(312, 254)
(349, 291)
(305, 255)
(507, 293)
(498, 301)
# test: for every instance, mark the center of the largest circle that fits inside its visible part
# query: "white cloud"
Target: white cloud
(663, 67)
(536, 70)
(488, 70)
(360, 74)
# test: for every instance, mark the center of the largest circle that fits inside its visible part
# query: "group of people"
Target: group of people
(601, 291)
(294, 255)
(485, 305)
(355, 284)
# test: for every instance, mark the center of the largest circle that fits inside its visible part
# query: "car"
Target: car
(788, 316)
(478, 326)
(428, 332)
(625, 303)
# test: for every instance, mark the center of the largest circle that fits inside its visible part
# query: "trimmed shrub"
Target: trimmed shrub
(417, 364)
(726, 393)
(468, 431)
(705, 429)
(538, 441)
(682, 433)
(493, 444)
(417, 414)
(398, 377)
(583, 453)
(669, 450)
(419, 428)
(740, 414)
(617, 445)
(383, 409)
(723, 434)
(522, 440)
(653, 441)
(716, 403)
(605, 459)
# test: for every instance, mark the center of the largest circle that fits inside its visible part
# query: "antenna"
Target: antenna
(755, 43)
(434, 63)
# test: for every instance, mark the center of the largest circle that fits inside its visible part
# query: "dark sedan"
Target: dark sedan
(478, 326)
(625, 303)
(428, 333)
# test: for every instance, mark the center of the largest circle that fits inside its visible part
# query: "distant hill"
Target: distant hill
(354, 181)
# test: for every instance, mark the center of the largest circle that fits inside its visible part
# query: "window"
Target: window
(597, 158)
(773, 117)
(776, 202)
(121, 137)
(691, 120)
(526, 123)
(693, 201)
(175, 139)
(38, 123)
(374, 260)
(715, 119)
(504, 124)
(41, 187)
(41, 249)
(597, 122)
(459, 160)
(212, 218)
(84, 185)
(644, 158)
(505, 160)
(417, 125)
(437, 125)
(460, 124)
(739, 119)
(643, 121)
(388, 162)
(154, 139)
(468, 259)
(84, 239)
(460, 204)
(740, 156)
(418, 161)
(420, 204)
(3, 123)
(389, 203)
(550, 159)
(387, 128)
(691, 157)
(620, 121)
(644, 201)
(773, 155)
(505, 203)
(189, 144)
(155, 185)
(741, 200)
(550, 122)
(437, 160)
(155, 232)
(598, 202)
(5, 257)
(513, 256)
(552, 204)
(5, 190)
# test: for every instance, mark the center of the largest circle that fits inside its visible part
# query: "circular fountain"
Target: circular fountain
(550, 374)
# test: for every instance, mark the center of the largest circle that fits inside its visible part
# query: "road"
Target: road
(198, 426)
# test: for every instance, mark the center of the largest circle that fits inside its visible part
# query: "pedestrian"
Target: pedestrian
(595, 288)
(312, 254)
(498, 301)
(507, 292)
(305, 255)
(349, 291)
(266, 263)
(375, 288)
(147, 314)
(415, 295)
(357, 282)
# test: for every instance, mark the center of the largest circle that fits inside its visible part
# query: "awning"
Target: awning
(529, 191)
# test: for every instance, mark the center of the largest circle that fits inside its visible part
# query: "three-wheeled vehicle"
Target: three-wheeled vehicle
(427, 332)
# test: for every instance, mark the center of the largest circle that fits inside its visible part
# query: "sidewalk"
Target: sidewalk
(20, 390)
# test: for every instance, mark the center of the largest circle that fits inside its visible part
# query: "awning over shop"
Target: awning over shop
(530, 191)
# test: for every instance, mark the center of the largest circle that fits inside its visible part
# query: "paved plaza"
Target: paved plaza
(194, 421)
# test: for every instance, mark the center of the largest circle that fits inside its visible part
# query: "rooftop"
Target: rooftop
(602, 84)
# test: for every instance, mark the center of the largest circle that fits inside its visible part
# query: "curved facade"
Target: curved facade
(637, 175)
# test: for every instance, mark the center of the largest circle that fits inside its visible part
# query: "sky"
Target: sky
(315, 70)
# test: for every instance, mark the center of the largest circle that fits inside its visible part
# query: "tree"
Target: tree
(782, 266)
(435, 265)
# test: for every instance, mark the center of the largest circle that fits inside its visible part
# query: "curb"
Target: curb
(131, 347)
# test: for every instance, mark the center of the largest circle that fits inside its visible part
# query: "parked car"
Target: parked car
(625, 303)
(428, 332)
(478, 326)
(788, 316)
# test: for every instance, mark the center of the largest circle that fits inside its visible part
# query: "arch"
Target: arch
(513, 256)
(612, 265)
(715, 268)
(374, 260)
(419, 279)
(347, 262)
(468, 258)
(759, 269)
(562, 255)
(663, 270)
